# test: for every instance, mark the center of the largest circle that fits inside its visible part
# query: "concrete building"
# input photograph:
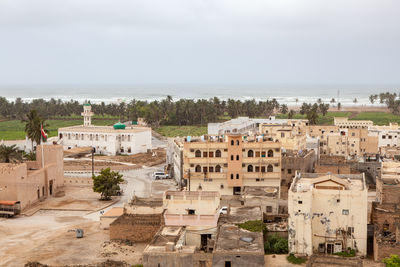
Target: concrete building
(302, 161)
(32, 181)
(238, 247)
(327, 213)
(246, 125)
(344, 122)
(107, 140)
(230, 163)
(198, 211)
(291, 137)
(386, 212)
(175, 159)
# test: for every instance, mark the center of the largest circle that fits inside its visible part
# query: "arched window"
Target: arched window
(232, 176)
(232, 142)
(250, 153)
(198, 154)
(237, 176)
(218, 168)
(198, 168)
(237, 157)
(270, 153)
(231, 157)
(250, 168)
(237, 142)
(270, 168)
(218, 153)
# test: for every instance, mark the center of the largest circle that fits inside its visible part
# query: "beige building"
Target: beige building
(344, 122)
(327, 213)
(32, 181)
(230, 163)
(291, 137)
(347, 141)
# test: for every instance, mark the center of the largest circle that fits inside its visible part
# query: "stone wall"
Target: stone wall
(136, 227)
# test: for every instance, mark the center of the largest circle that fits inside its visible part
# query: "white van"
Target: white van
(160, 175)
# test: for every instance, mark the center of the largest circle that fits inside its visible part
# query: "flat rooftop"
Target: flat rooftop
(306, 181)
(232, 239)
(261, 191)
(242, 214)
(104, 129)
(146, 202)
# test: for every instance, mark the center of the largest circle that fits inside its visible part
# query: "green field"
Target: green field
(379, 118)
(172, 131)
(323, 120)
(14, 129)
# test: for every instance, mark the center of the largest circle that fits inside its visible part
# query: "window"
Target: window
(218, 153)
(237, 142)
(350, 230)
(232, 176)
(270, 168)
(205, 154)
(300, 202)
(237, 157)
(218, 168)
(383, 136)
(211, 154)
(345, 212)
(390, 137)
(353, 134)
(257, 168)
(129, 138)
(237, 176)
(257, 154)
(250, 168)
(191, 212)
(250, 153)
(231, 157)
(205, 169)
(211, 169)
(282, 135)
(289, 171)
(228, 264)
(270, 153)
(262, 168)
(269, 208)
(232, 142)
(197, 154)
(198, 168)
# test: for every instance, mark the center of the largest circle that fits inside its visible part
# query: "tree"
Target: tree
(9, 154)
(284, 109)
(32, 127)
(355, 100)
(323, 108)
(312, 114)
(333, 100)
(107, 183)
(339, 106)
(291, 114)
(319, 101)
(392, 261)
(371, 99)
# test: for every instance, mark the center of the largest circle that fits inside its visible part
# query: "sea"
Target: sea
(292, 95)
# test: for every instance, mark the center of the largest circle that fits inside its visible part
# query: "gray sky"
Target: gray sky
(199, 41)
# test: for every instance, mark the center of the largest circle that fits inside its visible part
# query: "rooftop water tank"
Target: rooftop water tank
(119, 126)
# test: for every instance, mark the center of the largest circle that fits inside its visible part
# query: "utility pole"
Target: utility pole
(189, 178)
(92, 161)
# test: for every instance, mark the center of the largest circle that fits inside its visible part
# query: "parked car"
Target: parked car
(223, 210)
(160, 175)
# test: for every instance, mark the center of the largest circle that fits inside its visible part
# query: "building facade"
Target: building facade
(327, 213)
(230, 163)
(32, 181)
(107, 140)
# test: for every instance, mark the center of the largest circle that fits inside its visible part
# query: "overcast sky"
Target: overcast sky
(199, 42)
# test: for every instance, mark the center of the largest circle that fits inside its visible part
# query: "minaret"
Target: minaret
(87, 114)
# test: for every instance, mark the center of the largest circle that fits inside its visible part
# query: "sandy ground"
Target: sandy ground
(281, 261)
(45, 236)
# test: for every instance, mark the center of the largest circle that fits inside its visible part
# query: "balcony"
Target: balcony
(214, 160)
(267, 175)
(259, 160)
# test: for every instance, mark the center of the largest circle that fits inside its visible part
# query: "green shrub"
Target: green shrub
(393, 261)
(276, 245)
(295, 260)
(349, 253)
(253, 226)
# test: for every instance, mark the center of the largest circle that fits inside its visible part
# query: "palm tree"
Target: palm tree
(9, 154)
(32, 127)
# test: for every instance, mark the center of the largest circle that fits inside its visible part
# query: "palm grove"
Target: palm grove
(156, 113)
